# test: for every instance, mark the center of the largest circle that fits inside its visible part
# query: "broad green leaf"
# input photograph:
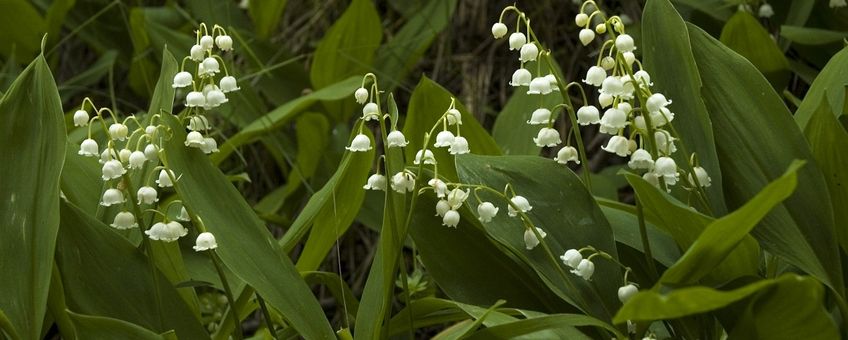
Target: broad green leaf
(489, 272)
(550, 322)
(23, 28)
(337, 287)
(398, 56)
(811, 36)
(110, 277)
(283, 114)
(266, 16)
(6, 327)
(722, 236)
(346, 50)
(744, 34)
(685, 225)
(828, 142)
(804, 292)
(717, 9)
(829, 86)
(162, 100)
(428, 103)
(511, 131)
(625, 226)
(32, 154)
(756, 141)
(564, 209)
(244, 243)
(792, 310)
(80, 181)
(341, 198)
(99, 327)
(667, 56)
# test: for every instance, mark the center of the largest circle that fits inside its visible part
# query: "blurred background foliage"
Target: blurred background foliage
(111, 50)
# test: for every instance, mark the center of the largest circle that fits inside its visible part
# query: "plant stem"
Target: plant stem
(232, 302)
(646, 243)
(266, 315)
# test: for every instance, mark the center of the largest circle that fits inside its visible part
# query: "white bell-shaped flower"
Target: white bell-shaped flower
(439, 187)
(403, 181)
(164, 180)
(607, 63)
(639, 123)
(113, 169)
(626, 292)
(652, 178)
(444, 139)
(702, 176)
(584, 269)
(147, 195)
(210, 67)
(586, 36)
(567, 154)
(581, 19)
(547, 137)
(528, 52)
(370, 112)
(613, 121)
(81, 118)
(571, 258)
(209, 145)
(613, 86)
(183, 215)
(641, 159)
(194, 139)
(765, 11)
(521, 77)
(361, 95)
(229, 84)
(618, 145)
(205, 241)
(118, 131)
(487, 211)
(151, 152)
(215, 98)
(459, 146)
(451, 219)
(595, 76)
(625, 107)
(666, 168)
(442, 208)
(605, 99)
(425, 156)
(124, 220)
(206, 42)
(530, 239)
(360, 143)
(89, 148)
(588, 115)
(124, 155)
(665, 142)
(454, 117)
(197, 53)
(456, 197)
(516, 40)
(182, 79)
(540, 116)
(521, 203)
(661, 117)
(167, 232)
(195, 99)
(198, 123)
(376, 182)
(137, 159)
(150, 130)
(629, 58)
(624, 43)
(108, 154)
(396, 139)
(627, 87)
(656, 102)
(539, 85)
(111, 197)
(224, 42)
(499, 30)
(838, 3)
(643, 77)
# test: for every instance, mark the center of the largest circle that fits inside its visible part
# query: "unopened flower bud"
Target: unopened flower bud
(499, 30)
(81, 118)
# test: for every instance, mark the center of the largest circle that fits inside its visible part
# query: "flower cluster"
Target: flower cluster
(132, 154)
(207, 85)
(451, 196)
